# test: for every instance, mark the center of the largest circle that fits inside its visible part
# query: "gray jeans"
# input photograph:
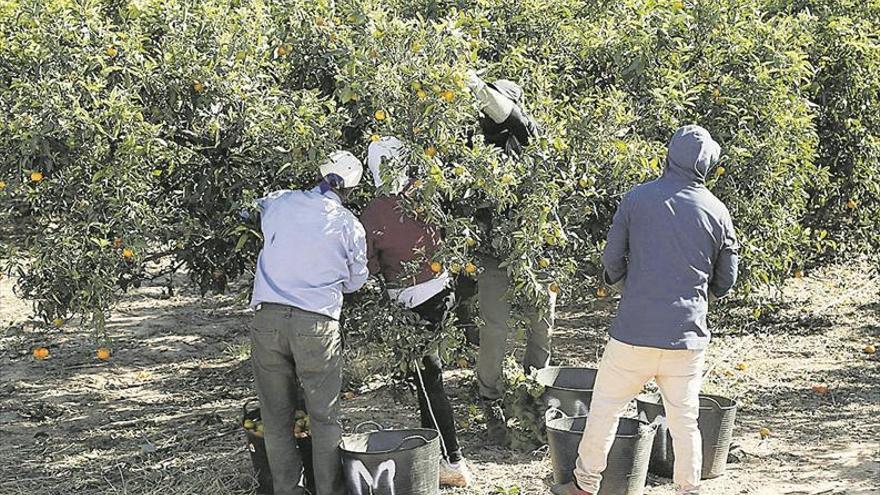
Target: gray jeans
(495, 312)
(289, 344)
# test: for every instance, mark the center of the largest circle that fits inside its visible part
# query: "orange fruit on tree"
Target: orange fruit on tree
(103, 353)
(584, 183)
(470, 268)
(111, 51)
(436, 267)
(128, 253)
(764, 432)
(281, 51)
(554, 288)
(41, 353)
(36, 176)
(852, 204)
(2, 185)
(602, 292)
(431, 151)
(375, 137)
(198, 86)
(870, 349)
(380, 115)
(799, 274)
(447, 96)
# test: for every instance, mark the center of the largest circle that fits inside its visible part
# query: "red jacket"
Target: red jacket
(395, 238)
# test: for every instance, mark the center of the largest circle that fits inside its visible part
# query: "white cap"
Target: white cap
(345, 165)
(388, 147)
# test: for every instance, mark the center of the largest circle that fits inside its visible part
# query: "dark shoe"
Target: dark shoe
(472, 334)
(568, 489)
(496, 424)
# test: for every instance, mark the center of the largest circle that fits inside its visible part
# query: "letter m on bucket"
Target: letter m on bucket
(374, 483)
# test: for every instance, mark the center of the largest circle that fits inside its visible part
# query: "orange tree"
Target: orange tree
(846, 89)
(136, 132)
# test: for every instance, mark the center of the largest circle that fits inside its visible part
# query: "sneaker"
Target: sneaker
(569, 488)
(457, 474)
(496, 423)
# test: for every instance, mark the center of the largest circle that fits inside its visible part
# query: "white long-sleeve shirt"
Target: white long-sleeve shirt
(314, 250)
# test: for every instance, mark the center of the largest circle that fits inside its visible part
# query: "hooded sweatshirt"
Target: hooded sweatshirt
(671, 243)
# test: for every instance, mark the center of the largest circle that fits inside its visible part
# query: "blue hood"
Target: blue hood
(691, 152)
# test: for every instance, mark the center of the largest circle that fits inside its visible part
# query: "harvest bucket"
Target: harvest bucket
(391, 462)
(627, 469)
(716, 420)
(257, 448)
(651, 410)
(568, 389)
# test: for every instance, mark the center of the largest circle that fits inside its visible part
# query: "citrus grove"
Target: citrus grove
(135, 135)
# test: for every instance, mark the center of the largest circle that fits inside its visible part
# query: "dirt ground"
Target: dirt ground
(161, 417)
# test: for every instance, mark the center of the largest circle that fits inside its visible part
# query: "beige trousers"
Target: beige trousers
(623, 372)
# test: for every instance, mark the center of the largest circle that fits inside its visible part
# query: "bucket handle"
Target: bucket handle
(713, 401)
(411, 437)
(357, 429)
(554, 412)
(645, 427)
(244, 407)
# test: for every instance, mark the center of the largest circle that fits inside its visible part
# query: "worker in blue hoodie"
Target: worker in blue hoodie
(671, 249)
